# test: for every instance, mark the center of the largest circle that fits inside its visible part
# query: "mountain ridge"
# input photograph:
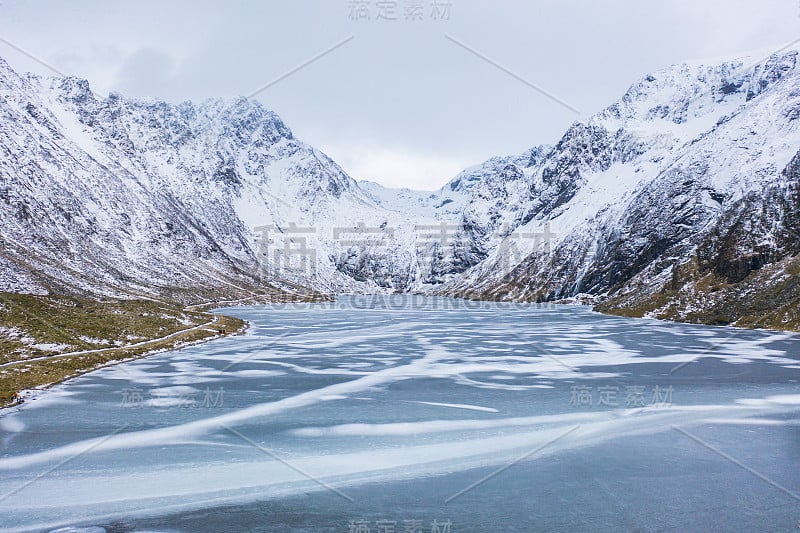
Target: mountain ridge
(708, 140)
(119, 196)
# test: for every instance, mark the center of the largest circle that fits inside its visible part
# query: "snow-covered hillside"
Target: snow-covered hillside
(118, 196)
(687, 183)
(689, 179)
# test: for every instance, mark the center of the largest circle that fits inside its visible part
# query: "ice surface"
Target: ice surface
(281, 412)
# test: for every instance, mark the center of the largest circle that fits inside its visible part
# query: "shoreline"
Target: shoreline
(164, 344)
(40, 373)
(122, 354)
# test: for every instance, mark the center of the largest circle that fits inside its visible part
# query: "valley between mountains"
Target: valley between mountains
(122, 219)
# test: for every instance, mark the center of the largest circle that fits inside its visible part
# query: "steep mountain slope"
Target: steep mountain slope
(82, 209)
(115, 196)
(680, 201)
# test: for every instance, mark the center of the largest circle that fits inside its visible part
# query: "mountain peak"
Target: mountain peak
(75, 89)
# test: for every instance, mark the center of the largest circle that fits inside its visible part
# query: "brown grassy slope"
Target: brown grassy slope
(767, 298)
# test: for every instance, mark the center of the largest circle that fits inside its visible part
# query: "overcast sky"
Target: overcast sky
(404, 101)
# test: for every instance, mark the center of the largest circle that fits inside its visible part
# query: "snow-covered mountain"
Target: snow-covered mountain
(119, 196)
(678, 200)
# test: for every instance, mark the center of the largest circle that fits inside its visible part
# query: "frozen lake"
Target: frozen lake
(422, 415)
